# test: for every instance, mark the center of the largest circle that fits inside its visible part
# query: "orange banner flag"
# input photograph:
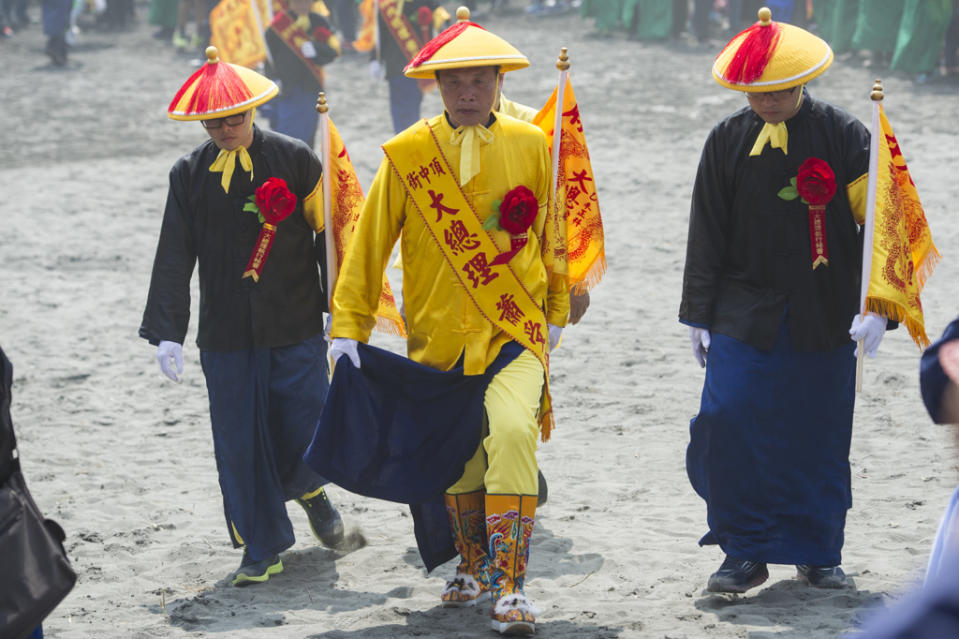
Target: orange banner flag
(366, 39)
(575, 188)
(346, 203)
(903, 255)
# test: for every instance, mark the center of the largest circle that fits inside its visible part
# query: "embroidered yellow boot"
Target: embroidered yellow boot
(509, 525)
(468, 522)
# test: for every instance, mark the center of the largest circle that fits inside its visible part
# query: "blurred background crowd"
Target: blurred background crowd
(915, 37)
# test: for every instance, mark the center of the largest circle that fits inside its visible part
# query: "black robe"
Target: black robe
(203, 224)
(748, 255)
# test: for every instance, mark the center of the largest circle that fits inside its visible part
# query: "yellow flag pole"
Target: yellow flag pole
(562, 63)
(868, 228)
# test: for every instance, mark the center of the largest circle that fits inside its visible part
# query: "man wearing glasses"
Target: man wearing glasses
(246, 205)
(771, 295)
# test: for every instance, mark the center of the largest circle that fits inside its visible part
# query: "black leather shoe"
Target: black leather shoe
(737, 575)
(543, 490)
(821, 576)
(325, 522)
(255, 572)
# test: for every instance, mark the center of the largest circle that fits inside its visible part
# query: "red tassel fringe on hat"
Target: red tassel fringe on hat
(218, 86)
(430, 48)
(754, 52)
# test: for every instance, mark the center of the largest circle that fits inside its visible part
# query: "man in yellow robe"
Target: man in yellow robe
(440, 181)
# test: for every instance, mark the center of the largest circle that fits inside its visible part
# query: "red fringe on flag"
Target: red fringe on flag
(215, 86)
(754, 52)
(430, 48)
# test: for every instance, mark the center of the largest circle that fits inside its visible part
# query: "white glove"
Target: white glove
(700, 339)
(167, 351)
(376, 70)
(555, 333)
(345, 346)
(327, 327)
(308, 50)
(870, 329)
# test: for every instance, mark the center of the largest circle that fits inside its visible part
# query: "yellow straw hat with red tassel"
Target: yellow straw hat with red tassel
(771, 56)
(218, 89)
(463, 45)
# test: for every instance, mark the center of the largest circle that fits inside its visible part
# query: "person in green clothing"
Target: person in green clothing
(922, 33)
(837, 22)
(877, 24)
(648, 19)
(608, 14)
(164, 14)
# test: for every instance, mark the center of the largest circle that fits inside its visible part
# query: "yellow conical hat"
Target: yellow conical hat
(771, 56)
(218, 89)
(465, 44)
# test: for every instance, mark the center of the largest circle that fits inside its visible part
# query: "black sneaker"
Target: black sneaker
(256, 572)
(821, 576)
(737, 575)
(325, 522)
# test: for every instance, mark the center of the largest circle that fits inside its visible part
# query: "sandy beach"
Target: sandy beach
(122, 458)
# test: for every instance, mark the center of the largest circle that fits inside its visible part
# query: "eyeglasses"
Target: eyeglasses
(230, 120)
(772, 95)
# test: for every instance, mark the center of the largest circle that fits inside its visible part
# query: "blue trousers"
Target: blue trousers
(769, 450)
(405, 100)
(264, 406)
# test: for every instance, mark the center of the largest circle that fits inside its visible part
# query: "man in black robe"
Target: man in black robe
(770, 295)
(261, 307)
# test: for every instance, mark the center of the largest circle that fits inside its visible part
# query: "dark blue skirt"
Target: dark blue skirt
(264, 404)
(769, 450)
(397, 430)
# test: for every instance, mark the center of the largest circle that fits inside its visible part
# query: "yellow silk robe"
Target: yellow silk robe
(442, 321)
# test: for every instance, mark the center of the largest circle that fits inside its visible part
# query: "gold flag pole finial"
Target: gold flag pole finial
(562, 63)
(321, 105)
(876, 95)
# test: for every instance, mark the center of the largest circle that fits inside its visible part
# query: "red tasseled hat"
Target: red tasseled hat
(218, 89)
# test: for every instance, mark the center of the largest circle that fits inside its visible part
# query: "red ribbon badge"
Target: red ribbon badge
(273, 202)
(516, 214)
(815, 183)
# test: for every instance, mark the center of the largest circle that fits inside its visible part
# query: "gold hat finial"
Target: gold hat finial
(212, 55)
(765, 16)
(462, 14)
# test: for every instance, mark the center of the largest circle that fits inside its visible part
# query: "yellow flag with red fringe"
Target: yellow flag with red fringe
(345, 204)
(236, 30)
(575, 188)
(903, 255)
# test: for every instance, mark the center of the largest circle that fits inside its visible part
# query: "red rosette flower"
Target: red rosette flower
(816, 182)
(518, 210)
(274, 200)
(424, 16)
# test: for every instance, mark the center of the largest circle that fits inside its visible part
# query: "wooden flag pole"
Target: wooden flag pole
(562, 63)
(876, 96)
(326, 158)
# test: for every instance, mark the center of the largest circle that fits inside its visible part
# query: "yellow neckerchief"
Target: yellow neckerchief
(303, 22)
(226, 162)
(776, 134)
(469, 139)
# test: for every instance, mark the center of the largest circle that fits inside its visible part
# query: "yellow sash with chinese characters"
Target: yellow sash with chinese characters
(405, 35)
(459, 234)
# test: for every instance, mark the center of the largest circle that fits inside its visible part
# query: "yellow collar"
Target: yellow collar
(226, 162)
(776, 134)
(469, 139)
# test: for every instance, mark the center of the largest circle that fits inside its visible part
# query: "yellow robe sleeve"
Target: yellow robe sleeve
(856, 191)
(313, 207)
